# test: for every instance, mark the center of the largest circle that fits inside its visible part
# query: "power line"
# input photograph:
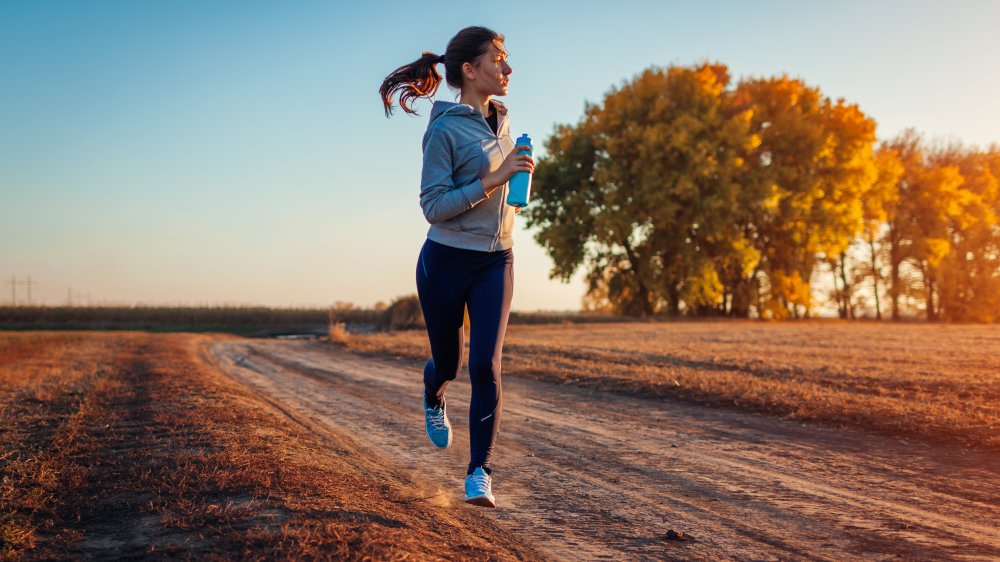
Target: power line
(13, 288)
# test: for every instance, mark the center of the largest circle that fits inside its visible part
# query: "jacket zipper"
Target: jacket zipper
(503, 196)
(503, 187)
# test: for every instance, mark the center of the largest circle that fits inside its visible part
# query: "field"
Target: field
(242, 320)
(251, 321)
(820, 440)
(122, 445)
(937, 382)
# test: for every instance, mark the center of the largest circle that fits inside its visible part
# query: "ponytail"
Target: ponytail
(420, 78)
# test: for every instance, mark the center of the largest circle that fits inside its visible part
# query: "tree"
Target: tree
(681, 193)
(938, 200)
(644, 192)
(900, 223)
(942, 224)
(880, 197)
(814, 163)
(969, 274)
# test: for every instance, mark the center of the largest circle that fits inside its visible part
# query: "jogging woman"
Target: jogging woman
(466, 260)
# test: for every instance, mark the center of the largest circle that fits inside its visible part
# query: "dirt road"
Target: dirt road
(588, 476)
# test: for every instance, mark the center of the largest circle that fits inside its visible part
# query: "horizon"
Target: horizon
(192, 153)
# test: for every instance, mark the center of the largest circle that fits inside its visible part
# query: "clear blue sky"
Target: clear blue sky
(198, 152)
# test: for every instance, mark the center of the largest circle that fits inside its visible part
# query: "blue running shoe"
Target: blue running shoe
(438, 426)
(479, 489)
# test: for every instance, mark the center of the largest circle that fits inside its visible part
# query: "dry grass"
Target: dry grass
(338, 333)
(936, 382)
(129, 445)
(230, 319)
(49, 385)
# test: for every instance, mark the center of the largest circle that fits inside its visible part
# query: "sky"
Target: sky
(236, 153)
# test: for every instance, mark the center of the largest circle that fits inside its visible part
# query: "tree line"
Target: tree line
(685, 193)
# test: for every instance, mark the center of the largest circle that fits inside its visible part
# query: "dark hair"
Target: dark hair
(420, 78)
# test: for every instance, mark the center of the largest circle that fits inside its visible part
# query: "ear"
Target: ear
(468, 71)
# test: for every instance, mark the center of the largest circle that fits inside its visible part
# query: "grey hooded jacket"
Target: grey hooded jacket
(459, 149)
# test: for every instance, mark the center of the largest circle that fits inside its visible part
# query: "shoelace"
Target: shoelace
(482, 481)
(436, 415)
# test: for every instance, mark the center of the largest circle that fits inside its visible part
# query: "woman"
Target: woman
(466, 260)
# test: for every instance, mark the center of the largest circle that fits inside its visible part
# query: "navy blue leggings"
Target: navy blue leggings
(448, 280)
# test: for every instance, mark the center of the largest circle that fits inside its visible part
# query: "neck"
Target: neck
(479, 102)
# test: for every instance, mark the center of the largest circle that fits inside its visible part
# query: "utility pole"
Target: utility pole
(13, 288)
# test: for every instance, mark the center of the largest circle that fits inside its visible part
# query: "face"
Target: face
(491, 73)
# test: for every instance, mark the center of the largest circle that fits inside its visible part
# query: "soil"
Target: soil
(584, 474)
(136, 446)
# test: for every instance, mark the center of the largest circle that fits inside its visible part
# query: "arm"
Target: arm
(439, 198)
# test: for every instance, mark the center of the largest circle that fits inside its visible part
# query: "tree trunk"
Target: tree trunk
(929, 284)
(760, 305)
(673, 299)
(836, 290)
(642, 293)
(741, 298)
(875, 276)
(894, 260)
(925, 274)
(848, 309)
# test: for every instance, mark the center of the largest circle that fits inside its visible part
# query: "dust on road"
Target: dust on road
(590, 476)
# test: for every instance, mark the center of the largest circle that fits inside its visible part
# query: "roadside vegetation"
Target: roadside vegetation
(401, 313)
(249, 320)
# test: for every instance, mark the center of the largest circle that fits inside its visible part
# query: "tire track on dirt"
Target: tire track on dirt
(601, 476)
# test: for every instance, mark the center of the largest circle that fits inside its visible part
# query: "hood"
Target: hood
(441, 108)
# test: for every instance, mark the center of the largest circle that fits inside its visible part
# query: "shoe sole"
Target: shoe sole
(445, 446)
(481, 501)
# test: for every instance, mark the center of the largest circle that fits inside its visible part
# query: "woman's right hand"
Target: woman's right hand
(513, 163)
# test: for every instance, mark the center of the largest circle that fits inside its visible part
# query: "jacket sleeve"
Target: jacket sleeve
(439, 197)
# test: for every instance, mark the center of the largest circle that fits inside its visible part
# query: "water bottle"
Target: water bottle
(520, 182)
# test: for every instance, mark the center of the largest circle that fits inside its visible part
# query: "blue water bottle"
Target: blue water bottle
(520, 182)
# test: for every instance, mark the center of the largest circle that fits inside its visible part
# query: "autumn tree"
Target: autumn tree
(968, 275)
(875, 204)
(900, 222)
(942, 230)
(932, 201)
(684, 193)
(862, 263)
(815, 164)
(644, 192)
